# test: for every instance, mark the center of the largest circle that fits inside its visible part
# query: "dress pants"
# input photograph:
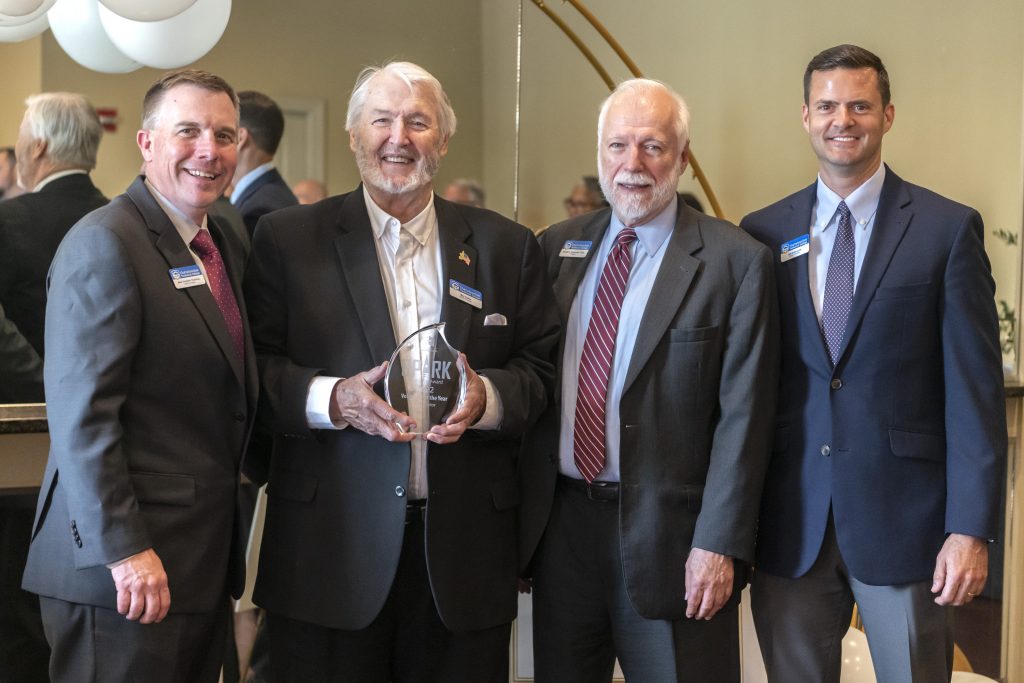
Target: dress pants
(801, 624)
(583, 618)
(405, 643)
(97, 645)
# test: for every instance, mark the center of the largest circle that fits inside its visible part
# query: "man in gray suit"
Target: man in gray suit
(389, 556)
(642, 482)
(150, 382)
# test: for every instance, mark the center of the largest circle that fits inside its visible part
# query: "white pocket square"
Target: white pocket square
(495, 319)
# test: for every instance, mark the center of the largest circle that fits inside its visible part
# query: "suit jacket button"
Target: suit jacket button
(836, 383)
(825, 450)
(78, 542)
(240, 417)
(399, 491)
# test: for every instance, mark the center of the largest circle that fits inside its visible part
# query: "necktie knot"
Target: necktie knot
(625, 237)
(203, 244)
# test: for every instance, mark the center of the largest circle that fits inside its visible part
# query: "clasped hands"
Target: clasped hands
(354, 402)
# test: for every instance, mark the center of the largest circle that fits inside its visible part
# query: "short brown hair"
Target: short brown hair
(172, 79)
(848, 57)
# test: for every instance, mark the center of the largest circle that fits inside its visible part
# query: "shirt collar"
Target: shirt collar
(862, 202)
(249, 178)
(651, 235)
(185, 226)
(420, 227)
(59, 174)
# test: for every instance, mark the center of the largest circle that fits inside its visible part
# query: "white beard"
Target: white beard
(630, 207)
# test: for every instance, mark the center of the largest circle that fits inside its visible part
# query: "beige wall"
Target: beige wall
(957, 72)
(315, 51)
(20, 65)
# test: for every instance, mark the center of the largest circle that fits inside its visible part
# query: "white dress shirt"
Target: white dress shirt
(185, 226)
(862, 203)
(59, 174)
(412, 271)
(648, 252)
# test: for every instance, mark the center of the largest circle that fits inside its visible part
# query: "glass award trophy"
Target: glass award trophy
(423, 378)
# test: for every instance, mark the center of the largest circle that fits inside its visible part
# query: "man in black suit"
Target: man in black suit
(56, 149)
(151, 388)
(641, 482)
(389, 556)
(259, 188)
(891, 435)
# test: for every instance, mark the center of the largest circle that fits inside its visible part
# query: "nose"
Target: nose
(398, 132)
(843, 117)
(206, 145)
(633, 160)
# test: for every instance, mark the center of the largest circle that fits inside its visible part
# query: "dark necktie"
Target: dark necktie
(596, 359)
(220, 286)
(835, 305)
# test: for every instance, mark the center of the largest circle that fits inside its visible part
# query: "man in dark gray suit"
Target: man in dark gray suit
(389, 556)
(151, 387)
(259, 187)
(642, 481)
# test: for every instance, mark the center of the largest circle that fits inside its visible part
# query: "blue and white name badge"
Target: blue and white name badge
(187, 276)
(465, 293)
(798, 246)
(575, 249)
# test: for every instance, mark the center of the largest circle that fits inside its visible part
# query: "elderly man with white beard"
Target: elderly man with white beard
(642, 480)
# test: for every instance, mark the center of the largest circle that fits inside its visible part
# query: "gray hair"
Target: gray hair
(68, 124)
(412, 75)
(643, 86)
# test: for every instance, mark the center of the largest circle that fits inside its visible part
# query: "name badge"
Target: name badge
(187, 276)
(574, 249)
(798, 246)
(465, 293)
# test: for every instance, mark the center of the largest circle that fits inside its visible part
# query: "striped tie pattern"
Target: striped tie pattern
(596, 360)
(838, 298)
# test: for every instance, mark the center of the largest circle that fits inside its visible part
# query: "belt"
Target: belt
(601, 491)
(415, 510)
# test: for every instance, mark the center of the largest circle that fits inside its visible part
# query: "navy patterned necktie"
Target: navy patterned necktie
(835, 306)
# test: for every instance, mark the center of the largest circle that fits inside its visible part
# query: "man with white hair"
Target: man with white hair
(641, 483)
(389, 550)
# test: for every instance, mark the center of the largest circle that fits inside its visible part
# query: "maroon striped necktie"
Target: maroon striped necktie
(220, 286)
(596, 360)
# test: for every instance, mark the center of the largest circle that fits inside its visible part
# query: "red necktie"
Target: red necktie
(220, 286)
(596, 360)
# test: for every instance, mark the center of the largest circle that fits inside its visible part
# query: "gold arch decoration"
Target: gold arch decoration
(603, 73)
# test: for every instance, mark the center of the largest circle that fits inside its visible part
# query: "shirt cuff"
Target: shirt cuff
(318, 404)
(493, 412)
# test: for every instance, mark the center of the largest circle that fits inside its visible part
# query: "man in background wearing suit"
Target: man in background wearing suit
(259, 188)
(891, 437)
(57, 143)
(642, 481)
(151, 385)
(389, 556)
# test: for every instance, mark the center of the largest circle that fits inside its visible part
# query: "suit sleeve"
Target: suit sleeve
(525, 381)
(975, 415)
(93, 325)
(21, 369)
(741, 445)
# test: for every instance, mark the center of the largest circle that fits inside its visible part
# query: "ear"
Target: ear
(144, 140)
(443, 150)
(805, 116)
(890, 116)
(37, 149)
(243, 137)
(684, 158)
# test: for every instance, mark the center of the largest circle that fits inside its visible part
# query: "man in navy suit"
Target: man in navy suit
(890, 437)
(259, 188)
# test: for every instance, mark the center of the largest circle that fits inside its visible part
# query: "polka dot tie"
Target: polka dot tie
(835, 308)
(220, 286)
(596, 359)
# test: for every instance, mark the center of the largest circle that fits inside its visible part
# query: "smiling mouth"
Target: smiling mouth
(206, 175)
(843, 138)
(396, 159)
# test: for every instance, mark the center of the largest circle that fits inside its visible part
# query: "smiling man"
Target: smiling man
(389, 556)
(890, 438)
(150, 386)
(642, 481)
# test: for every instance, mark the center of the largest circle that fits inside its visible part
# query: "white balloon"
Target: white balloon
(77, 28)
(150, 10)
(12, 34)
(18, 12)
(173, 42)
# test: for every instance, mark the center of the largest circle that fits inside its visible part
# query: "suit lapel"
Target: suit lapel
(174, 251)
(675, 275)
(891, 222)
(459, 261)
(361, 271)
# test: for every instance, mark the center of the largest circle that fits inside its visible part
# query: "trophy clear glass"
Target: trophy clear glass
(423, 378)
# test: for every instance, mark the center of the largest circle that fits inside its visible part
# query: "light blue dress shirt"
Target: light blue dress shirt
(648, 252)
(862, 203)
